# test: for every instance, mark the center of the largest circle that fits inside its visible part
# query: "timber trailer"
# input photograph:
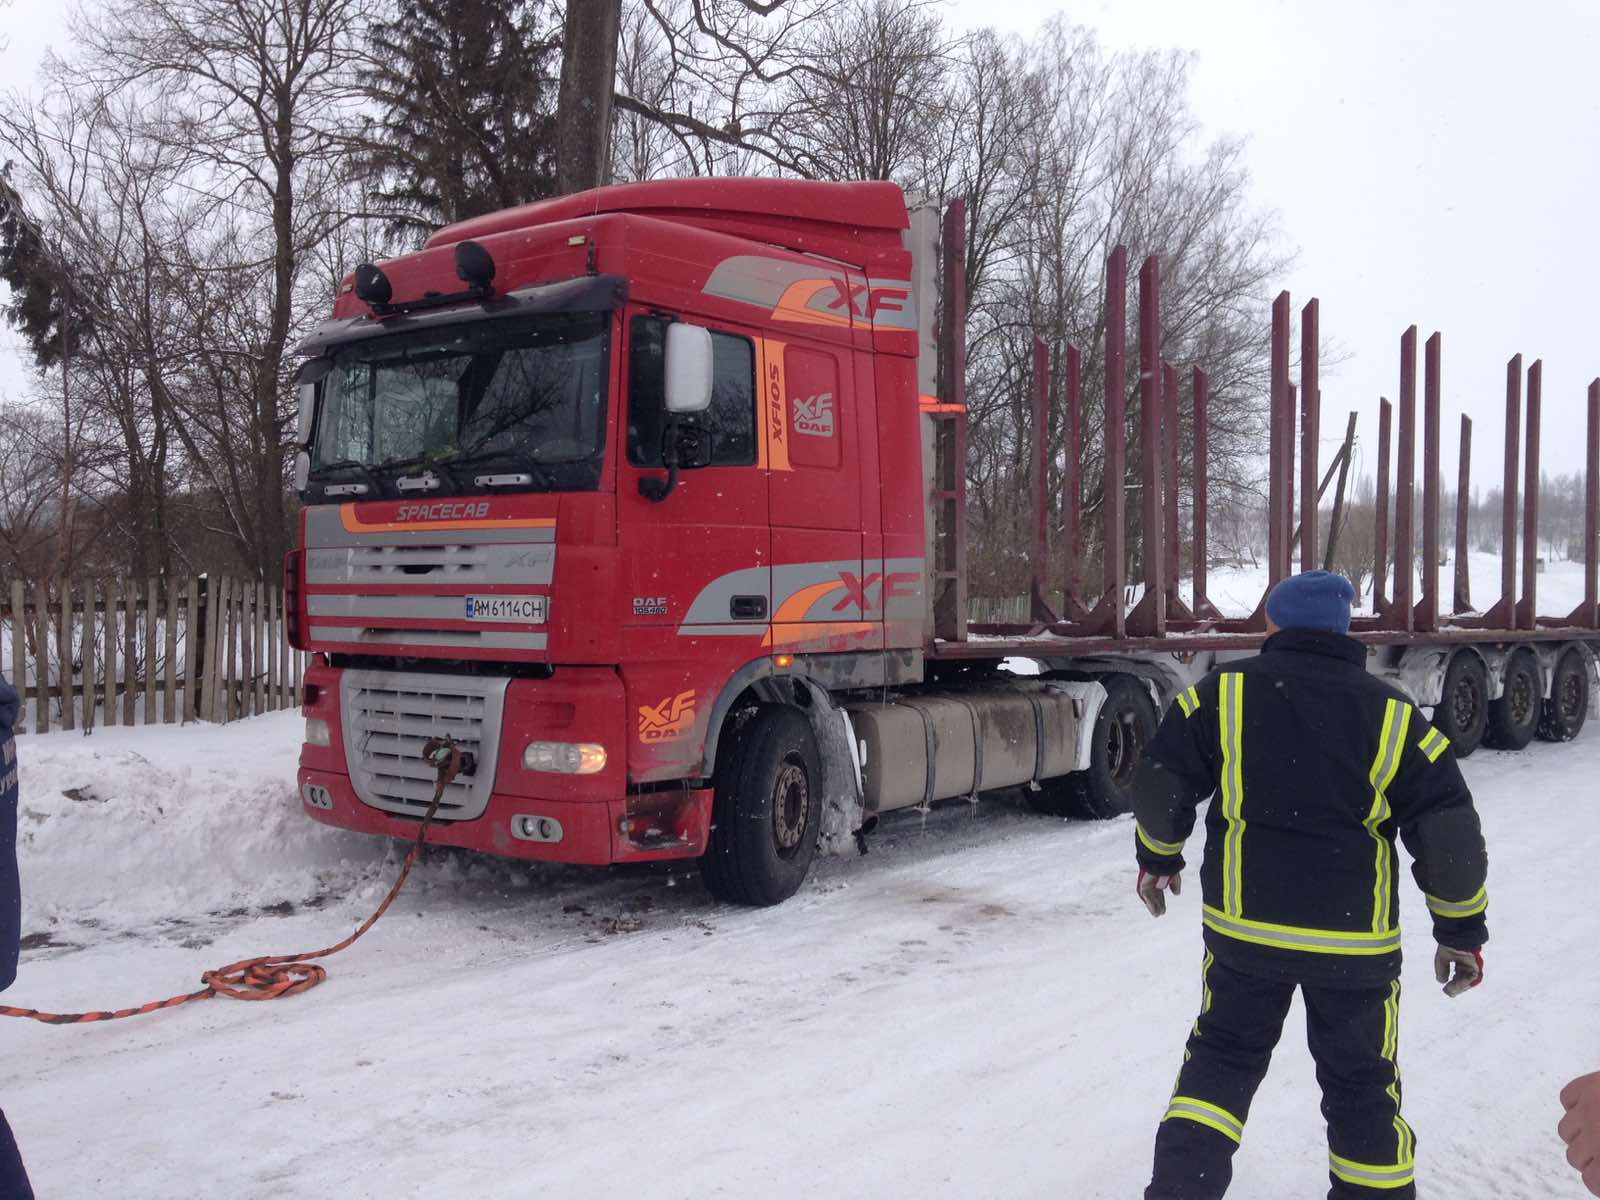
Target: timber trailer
(653, 498)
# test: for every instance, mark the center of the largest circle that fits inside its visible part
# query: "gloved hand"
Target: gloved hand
(1468, 966)
(1153, 890)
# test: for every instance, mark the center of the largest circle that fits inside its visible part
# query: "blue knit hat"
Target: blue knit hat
(1313, 600)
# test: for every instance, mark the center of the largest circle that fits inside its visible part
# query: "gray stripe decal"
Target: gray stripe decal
(1359, 943)
(420, 608)
(1396, 1174)
(1179, 1109)
(437, 638)
(325, 529)
(1457, 908)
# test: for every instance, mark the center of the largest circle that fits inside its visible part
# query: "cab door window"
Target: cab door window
(730, 422)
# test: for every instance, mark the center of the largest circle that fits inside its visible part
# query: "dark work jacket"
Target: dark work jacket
(10, 889)
(1314, 765)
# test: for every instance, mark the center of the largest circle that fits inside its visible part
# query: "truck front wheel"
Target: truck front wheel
(767, 810)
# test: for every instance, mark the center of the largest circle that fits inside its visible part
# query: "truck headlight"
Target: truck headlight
(317, 733)
(564, 758)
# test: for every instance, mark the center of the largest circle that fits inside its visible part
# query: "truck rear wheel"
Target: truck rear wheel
(767, 810)
(1515, 715)
(1562, 715)
(1462, 713)
(1126, 723)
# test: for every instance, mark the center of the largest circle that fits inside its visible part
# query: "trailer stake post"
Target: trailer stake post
(1427, 613)
(1172, 418)
(1277, 533)
(1041, 468)
(1310, 429)
(1503, 613)
(1590, 613)
(1405, 531)
(1380, 558)
(1463, 589)
(1149, 616)
(950, 571)
(1528, 607)
(1200, 385)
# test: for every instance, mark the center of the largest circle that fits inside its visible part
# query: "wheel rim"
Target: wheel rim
(1123, 743)
(1466, 703)
(791, 805)
(1571, 699)
(1522, 698)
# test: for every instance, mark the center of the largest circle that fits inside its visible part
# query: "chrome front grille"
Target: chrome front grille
(411, 564)
(388, 716)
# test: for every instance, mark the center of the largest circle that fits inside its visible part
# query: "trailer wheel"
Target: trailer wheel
(767, 810)
(1563, 714)
(1462, 713)
(1515, 715)
(1126, 723)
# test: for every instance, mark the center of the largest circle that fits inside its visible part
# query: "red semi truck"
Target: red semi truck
(650, 498)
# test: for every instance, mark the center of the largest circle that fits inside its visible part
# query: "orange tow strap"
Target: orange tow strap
(275, 975)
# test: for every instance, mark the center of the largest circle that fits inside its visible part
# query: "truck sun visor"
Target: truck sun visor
(588, 293)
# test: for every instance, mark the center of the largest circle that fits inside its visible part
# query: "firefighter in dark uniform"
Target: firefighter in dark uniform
(13, 1178)
(1313, 765)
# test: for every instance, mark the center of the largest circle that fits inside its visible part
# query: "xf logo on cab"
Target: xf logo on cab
(672, 718)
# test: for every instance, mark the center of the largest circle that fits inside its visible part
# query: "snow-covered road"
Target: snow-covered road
(979, 1008)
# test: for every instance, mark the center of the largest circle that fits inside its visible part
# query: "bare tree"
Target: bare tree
(253, 98)
(875, 90)
(717, 76)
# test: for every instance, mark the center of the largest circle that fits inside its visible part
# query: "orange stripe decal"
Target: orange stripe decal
(775, 431)
(797, 605)
(354, 524)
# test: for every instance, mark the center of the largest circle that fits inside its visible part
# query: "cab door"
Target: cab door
(698, 562)
(822, 600)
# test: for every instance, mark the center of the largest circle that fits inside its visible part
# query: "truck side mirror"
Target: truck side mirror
(306, 379)
(688, 369)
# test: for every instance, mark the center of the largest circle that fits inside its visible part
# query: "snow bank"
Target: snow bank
(131, 826)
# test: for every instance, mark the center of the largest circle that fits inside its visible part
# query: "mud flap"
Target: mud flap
(842, 811)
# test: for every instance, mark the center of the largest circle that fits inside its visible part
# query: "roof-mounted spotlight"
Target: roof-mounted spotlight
(373, 286)
(474, 265)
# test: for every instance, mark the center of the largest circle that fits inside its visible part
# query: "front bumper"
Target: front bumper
(658, 826)
(541, 816)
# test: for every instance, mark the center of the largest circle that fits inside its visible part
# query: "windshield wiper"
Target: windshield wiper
(523, 469)
(438, 468)
(348, 464)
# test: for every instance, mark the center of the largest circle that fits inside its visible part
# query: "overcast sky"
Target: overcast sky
(1431, 162)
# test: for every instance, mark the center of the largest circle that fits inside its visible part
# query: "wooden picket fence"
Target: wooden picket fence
(156, 651)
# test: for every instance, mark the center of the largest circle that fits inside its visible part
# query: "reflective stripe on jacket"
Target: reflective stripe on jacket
(1314, 766)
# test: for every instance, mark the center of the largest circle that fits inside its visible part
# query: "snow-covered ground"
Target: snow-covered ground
(1236, 590)
(978, 1008)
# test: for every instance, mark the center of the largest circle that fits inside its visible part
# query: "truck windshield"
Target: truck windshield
(468, 408)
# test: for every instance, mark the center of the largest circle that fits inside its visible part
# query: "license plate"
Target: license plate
(525, 610)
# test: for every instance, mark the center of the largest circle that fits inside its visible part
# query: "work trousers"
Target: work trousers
(13, 1179)
(1353, 1035)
